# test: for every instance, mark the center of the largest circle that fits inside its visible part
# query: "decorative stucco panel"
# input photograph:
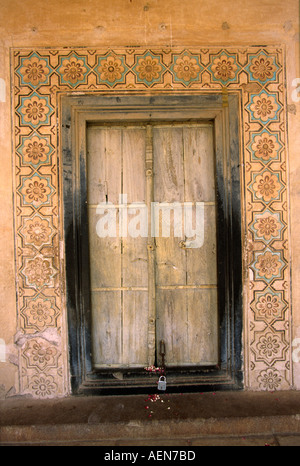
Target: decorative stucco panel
(38, 79)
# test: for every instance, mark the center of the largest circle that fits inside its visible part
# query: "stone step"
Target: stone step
(186, 419)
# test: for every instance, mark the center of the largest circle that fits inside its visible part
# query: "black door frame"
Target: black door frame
(75, 113)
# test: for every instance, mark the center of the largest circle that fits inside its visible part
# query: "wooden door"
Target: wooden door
(150, 281)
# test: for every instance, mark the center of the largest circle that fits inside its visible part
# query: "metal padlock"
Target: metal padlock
(162, 383)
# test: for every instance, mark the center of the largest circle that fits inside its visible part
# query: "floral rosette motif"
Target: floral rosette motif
(264, 107)
(267, 226)
(37, 231)
(268, 306)
(268, 265)
(73, 70)
(266, 186)
(270, 379)
(262, 68)
(224, 68)
(40, 354)
(39, 313)
(265, 146)
(111, 69)
(43, 386)
(34, 71)
(148, 69)
(269, 345)
(35, 150)
(186, 69)
(36, 190)
(38, 272)
(35, 110)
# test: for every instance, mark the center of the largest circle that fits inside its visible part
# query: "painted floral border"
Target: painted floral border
(257, 73)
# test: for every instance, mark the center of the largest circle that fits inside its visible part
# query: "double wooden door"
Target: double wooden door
(153, 244)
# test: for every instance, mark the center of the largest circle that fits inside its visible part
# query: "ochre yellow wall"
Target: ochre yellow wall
(107, 23)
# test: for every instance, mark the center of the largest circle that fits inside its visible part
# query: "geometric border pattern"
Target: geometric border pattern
(258, 75)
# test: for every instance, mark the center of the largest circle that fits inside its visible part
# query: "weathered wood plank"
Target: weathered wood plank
(169, 188)
(134, 245)
(171, 259)
(203, 326)
(202, 262)
(172, 325)
(106, 328)
(105, 257)
(135, 328)
(104, 184)
(199, 164)
(134, 251)
(104, 164)
(187, 322)
(168, 164)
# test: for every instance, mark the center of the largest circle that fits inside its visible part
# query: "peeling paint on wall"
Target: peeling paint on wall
(2, 350)
(2, 90)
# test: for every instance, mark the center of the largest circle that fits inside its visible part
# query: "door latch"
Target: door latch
(162, 381)
(162, 352)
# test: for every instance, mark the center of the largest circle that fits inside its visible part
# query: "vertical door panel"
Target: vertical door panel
(202, 262)
(118, 265)
(172, 325)
(186, 277)
(134, 245)
(202, 307)
(199, 170)
(134, 250)
(169, 190)
(104, 185)
(134, 328)
(104, 164)
(199, 163)
(106, 328)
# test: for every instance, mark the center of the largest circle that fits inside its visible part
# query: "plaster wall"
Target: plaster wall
(91, 23)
